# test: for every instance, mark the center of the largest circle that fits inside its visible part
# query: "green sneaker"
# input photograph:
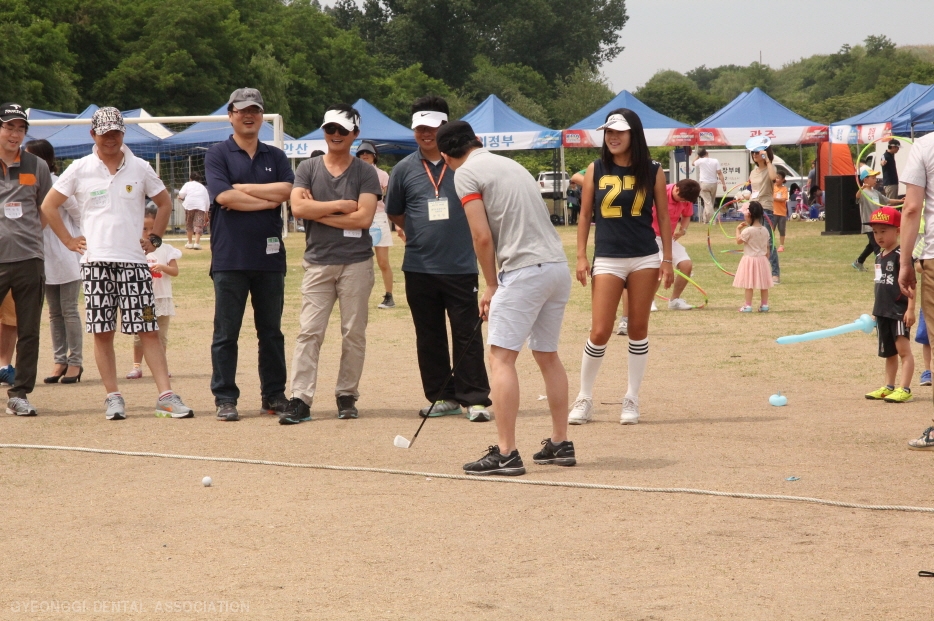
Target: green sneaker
(880, 394)
(441, 408)
(899, 395)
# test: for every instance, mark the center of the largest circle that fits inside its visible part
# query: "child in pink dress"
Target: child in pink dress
(754, 271)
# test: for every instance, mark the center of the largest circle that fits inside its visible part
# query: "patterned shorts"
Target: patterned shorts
(129, 285)
(194, 221)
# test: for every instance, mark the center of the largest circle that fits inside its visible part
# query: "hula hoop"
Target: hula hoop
(696, 286)
(860, 159)
(713, 218)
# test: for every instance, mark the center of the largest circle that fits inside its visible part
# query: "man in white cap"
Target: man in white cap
(336, 194)
(440, 270)
(247, 181)
(24, 182)
(111, 185)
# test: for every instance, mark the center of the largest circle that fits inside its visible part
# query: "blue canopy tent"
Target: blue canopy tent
(389, 136)
(501, 128)
(659, 129)
(38, 132)
(877, 122)
(74, 141)
(756, 114)
(156, 129)
(203, 134)
(921, 118)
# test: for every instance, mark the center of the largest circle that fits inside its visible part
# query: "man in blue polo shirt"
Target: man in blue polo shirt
(440, 270)
(247, 181)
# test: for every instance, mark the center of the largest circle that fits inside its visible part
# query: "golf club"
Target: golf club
(401, 442)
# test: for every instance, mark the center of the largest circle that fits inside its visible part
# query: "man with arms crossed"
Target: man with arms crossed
(247, 182)
(24, 182)
(111, 185)
(336, 195)
(526, 300)
(440, 270)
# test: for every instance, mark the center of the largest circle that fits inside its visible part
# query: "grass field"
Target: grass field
(139, 537)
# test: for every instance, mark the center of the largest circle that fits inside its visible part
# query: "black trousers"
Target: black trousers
(429, 297)
(26, 279)
(871, 248)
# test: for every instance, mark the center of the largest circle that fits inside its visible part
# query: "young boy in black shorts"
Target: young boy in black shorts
(893, 310)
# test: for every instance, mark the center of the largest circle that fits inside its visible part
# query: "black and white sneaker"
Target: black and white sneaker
(561, 454)
(346, 407)
(297, 411)
(495, 462)
(387, 302)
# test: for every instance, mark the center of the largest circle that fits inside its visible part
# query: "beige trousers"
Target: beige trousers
(322, 285)
(708, 195)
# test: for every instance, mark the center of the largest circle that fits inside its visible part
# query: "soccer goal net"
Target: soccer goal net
(174, 145)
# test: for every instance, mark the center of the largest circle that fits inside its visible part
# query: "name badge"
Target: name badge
(438, 209)
(272, 245)
(353, 232)
(13, 210)
(878, 273)
(99, 198)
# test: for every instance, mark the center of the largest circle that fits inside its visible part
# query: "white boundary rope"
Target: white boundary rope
(462, 477)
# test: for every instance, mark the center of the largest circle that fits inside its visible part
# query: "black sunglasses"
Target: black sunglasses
(334, 128)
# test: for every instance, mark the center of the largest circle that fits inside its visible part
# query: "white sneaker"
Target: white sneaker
(654, 308)
(623, 328)
(196, 246)
(189, 245)
(479, 414)
(630, 415)
(581, 412)
(679, 304)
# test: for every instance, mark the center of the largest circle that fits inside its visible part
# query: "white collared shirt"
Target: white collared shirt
(112, 206)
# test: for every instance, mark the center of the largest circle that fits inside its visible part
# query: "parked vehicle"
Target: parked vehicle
(553, 184)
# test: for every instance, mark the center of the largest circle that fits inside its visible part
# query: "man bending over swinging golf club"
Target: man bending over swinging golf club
(525, 300)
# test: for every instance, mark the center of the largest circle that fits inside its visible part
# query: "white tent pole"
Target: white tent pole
(157, 165)
(561, 178)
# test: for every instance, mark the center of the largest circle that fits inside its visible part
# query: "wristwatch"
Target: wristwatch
(155, 240)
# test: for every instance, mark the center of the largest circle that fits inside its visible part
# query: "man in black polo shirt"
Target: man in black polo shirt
(440, 270)
(24, 182)
(890, 169)
(247, 181)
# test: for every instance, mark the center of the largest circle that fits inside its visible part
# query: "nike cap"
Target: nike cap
(429, 118)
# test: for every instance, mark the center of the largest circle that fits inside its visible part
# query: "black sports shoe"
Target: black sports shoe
(275, 405)
(296, 411)
(346, 408)
(558, 454)
(227, 412)
(496, 463)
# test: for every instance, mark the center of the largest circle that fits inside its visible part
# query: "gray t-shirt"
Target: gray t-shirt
(522, 231)
(23, 187)
(867, 206)
(326, 245)
(432, 246)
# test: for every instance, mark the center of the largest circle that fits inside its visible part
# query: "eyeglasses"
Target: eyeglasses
(252, 110)
(14, 129)
(334, 128)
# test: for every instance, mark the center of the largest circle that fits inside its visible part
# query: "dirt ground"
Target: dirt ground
(103, 536)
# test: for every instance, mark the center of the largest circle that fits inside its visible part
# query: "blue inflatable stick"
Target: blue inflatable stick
(865, 323)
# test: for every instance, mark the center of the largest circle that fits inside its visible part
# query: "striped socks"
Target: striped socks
(638, 358)
(590, 366)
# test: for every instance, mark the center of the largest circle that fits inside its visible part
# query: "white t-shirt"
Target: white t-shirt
(708, 168)
(61, 264)
(194, 196)
(920, 171)
(162, 283)
(111, 206)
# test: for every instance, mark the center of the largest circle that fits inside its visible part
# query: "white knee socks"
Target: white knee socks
(638, 358)
(590, 366)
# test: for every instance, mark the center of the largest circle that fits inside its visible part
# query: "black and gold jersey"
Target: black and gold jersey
(622, 214)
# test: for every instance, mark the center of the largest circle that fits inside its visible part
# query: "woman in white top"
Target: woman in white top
(368, 153)
(62, 284)
(195, 199)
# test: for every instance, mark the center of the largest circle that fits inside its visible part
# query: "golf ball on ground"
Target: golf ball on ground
(206, 481)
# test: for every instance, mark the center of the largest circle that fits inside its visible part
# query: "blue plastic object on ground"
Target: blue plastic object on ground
(865, 323)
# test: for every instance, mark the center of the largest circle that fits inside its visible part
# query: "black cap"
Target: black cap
(454, 135)
(11, 111)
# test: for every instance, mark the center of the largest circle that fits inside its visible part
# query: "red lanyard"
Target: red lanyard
(437, 184)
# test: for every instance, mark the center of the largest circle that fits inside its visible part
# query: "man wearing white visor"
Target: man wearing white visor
(440, 269)
(336, 194)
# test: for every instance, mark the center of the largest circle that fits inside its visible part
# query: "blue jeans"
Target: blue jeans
(267, 295)
(773, 251)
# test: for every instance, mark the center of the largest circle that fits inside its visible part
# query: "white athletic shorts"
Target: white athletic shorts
(678, 252)
(529, 305)
(622, 268)
(381, 220)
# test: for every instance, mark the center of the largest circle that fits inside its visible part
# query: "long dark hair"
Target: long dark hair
(44, 150)
(755, 211)
(640, 160)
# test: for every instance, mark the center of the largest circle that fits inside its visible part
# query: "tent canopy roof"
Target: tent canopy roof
(891, 108)
(73, 141)
(376, 126)
(755, 109)
(206, 133)
(494, 116)
(650, 118)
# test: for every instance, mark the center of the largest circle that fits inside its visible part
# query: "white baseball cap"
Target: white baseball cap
(429, 118)
(758, 143)
(617, 122)
(345, 120)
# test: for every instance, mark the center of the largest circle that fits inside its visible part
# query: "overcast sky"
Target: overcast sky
(684, 34)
